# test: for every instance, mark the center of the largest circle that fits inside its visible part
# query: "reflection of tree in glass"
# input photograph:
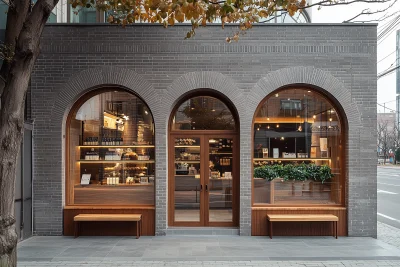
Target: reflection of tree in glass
(207, 118)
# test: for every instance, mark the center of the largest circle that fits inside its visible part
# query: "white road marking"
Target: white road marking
(389, 184)
(389, 178)
(386, 192)
(387, 217)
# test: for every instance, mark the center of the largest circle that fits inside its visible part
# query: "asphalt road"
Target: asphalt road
(389, 195)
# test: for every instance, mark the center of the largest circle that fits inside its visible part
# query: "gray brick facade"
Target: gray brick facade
(160, 67)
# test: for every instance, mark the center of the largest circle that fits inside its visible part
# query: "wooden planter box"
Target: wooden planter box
(289, 191)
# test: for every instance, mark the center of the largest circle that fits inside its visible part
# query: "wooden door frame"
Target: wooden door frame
(204, 135)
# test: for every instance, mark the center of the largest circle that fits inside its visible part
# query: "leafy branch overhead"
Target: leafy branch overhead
(245, 13)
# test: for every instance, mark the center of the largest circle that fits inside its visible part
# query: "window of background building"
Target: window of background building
(111, 151)
(3, 19)
(82, 15)
(300, 128)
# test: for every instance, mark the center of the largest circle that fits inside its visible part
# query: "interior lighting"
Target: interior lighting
(330, 119)
(192, 108)
(277, 126)
(276, 95)
(258, 128)
(314, 116)
(213, 110)
(268, 127)
(267, 118)
(146, 112)
(282, 138)
(309, 91)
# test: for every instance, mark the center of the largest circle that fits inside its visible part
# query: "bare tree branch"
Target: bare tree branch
(369, 12)
(384, 17)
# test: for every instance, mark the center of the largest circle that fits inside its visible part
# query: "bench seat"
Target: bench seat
(109, 218)
(303, 218)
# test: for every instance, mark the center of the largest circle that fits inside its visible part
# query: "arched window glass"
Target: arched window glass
(203, 113)
(298, 149)
(111, 151)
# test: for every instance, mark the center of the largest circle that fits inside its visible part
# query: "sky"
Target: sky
(386, 85)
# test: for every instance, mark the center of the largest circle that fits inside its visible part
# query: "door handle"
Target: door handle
(206, 187)
(201, 187)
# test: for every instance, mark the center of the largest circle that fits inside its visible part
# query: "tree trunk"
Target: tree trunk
(11, 126)
(12, 120)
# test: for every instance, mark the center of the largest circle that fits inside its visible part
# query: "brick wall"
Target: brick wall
(160, 66)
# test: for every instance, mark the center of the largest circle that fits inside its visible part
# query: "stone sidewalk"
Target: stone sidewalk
(212, 251)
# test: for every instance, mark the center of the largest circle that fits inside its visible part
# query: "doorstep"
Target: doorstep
(202, 231)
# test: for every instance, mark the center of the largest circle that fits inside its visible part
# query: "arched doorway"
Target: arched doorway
(203, 163)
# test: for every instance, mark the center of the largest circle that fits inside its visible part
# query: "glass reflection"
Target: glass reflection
(203, 113)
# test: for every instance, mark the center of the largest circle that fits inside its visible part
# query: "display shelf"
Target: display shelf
(113, 129)
(78, 186)
(180, 146)
(116, 161)
(118, 146)
(187, 161)
(291, 159)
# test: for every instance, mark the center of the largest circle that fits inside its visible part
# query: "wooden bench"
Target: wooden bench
(303, 218)
(109, 218)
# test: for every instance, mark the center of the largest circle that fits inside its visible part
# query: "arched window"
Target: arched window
(110, 150)
(298, 153)
(203, 113)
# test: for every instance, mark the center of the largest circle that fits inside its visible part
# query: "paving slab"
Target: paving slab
(211, 251)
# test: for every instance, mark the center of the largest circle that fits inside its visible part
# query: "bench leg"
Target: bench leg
(270, 229)
(76, 229)
(140, 226)
(137, 230)
(336, 223)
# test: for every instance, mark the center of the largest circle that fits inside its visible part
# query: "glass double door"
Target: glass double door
(202, 180)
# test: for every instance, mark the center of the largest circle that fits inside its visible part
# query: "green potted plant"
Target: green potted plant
(325, 173)
(313, 172)
(266, 172)
(301, 172)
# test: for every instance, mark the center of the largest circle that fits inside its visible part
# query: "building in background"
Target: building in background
(398, 78)
(387, 134)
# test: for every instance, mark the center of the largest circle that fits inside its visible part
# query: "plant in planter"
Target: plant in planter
(288, 172)
(300, 172)
(266, 172)
(325, 173)
(313, 172)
